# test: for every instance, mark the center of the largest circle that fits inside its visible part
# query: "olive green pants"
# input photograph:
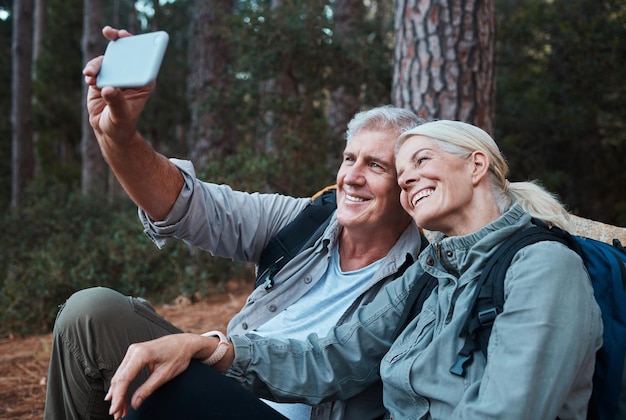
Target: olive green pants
(91, 334)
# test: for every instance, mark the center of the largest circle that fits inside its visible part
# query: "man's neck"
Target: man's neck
(358, 251)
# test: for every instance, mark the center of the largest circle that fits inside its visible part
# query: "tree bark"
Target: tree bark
(344, 101)
(212, 125)
(444, 59)
(94, 169)
(23, 160)
(41, 15)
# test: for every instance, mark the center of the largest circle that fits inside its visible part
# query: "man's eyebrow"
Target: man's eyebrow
(371, 158)
(384, 161)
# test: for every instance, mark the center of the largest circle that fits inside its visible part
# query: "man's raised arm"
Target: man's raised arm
(149, 178)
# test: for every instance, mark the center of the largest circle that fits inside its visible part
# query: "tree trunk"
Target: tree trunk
(41, 15)
(344, 101)
(444, 59)
(23, 161)
(94, 169)
(212, 125)
(40, 20)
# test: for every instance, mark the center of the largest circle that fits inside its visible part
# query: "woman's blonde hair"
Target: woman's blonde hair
(462, 139)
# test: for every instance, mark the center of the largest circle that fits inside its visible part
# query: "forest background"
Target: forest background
(257, 94)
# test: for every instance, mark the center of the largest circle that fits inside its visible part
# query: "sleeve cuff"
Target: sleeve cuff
(162, 230)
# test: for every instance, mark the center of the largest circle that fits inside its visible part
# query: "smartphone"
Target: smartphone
(133, 61)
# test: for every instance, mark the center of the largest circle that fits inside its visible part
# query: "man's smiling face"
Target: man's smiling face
(368, 195)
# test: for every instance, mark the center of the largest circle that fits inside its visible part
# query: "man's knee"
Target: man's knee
(93, 306)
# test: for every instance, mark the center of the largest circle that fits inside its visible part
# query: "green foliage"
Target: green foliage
(561, 85)
(287, 60)
(166, 115)
(58, 96)
(60, 242)
(561, 82)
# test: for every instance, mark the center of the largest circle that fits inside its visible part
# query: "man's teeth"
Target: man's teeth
(420, 195)
(353, 198)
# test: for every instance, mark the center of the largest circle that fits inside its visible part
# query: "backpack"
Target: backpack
(606, 265)
(299, 234)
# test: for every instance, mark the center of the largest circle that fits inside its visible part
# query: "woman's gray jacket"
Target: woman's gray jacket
(541, 351)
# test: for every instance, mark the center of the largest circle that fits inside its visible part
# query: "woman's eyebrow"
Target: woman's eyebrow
(417, 152)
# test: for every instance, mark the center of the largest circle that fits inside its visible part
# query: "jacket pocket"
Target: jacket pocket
(415, 332)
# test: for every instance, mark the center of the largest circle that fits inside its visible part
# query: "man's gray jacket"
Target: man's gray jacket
(238, 225)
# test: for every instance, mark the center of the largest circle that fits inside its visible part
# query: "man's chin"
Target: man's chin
(347, 218)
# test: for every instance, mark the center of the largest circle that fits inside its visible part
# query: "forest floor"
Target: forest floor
(24, 361)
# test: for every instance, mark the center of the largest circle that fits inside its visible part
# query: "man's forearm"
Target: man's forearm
(149, 178)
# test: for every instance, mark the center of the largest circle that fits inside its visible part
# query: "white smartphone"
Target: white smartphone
(133, 61)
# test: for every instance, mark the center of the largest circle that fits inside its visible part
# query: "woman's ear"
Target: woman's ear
(480, 165)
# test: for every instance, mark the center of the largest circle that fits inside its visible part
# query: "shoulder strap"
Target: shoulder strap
(420, 291)
(488, 299)
(301, 232)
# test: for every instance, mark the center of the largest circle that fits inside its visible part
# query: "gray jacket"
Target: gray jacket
(239, 225)
(541, 351)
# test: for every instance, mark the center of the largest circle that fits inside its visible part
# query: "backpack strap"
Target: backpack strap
(420, 291)
(300, 233)
(488, 299)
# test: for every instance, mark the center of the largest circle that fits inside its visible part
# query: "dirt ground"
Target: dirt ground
(24, 361)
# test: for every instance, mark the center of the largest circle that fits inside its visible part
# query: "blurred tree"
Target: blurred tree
(6, 99)
(40, 18)
(361, 65)
(94, 170)
(165, 119)
(444, 59)
(288, 57)
(561, 89)
(344, 99)
(23, 158)
(57, 93)
(211, 133)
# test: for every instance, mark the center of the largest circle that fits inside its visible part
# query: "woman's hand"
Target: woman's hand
(165, 358)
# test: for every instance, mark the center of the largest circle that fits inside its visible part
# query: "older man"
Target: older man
(369, 241)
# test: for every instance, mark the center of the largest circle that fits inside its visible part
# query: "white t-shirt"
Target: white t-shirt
(317, 312)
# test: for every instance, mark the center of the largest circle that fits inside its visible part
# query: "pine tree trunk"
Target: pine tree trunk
(94, 169)
(212, 123)
(444, 59)
(344, 101)
(23, 161)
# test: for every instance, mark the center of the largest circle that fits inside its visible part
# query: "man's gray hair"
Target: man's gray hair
(383, 118)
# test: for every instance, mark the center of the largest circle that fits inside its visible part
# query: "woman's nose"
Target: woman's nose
(406, 180)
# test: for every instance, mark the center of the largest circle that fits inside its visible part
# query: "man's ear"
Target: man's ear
(480, 165)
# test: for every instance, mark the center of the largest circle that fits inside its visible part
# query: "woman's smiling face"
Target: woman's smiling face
(437, 186)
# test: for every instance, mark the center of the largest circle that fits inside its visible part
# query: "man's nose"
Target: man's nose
(354, 174)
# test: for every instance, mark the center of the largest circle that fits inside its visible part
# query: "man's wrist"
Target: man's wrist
(221, 349)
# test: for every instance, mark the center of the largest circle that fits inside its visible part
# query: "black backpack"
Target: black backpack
(606, 265)
(299, 234)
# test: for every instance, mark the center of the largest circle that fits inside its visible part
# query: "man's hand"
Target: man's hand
(149, 178)
(165, 358)
(113, 112)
